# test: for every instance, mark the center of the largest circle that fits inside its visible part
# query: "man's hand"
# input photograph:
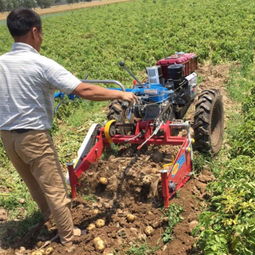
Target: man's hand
(130, 97)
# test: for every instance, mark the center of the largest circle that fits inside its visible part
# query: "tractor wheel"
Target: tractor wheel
(118, 110)
(209, 122)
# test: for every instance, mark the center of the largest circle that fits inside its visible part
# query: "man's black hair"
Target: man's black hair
(21, 20)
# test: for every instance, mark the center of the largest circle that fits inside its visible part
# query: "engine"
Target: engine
(169, 90)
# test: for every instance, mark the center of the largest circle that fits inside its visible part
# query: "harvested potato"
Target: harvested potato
(91, 226)
(99, 243)
(108, 251)
(39, 252)
(103, 180)
(49, 250)
(22, 249)
(131, 217)
(39, 244)
(95, 211)
(149, 230)
(100, 223)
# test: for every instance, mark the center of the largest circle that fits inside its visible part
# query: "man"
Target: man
(27, 84)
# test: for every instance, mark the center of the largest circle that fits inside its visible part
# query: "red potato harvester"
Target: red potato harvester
(158, 118)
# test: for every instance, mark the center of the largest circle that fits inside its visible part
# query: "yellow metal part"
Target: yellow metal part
(107, 128)
(167, 166)
(75, 161)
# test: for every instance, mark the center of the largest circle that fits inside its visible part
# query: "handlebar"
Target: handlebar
(106, 82)
(72, 96)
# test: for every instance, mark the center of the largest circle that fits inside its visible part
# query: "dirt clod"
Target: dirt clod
(192, 225)
(3, 215)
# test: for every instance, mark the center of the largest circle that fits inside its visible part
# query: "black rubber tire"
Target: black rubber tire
(209, 122)
(118, 111)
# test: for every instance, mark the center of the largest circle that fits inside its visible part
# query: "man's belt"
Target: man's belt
(21, 130)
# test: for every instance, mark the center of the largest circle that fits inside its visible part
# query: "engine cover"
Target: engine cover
(189, 60)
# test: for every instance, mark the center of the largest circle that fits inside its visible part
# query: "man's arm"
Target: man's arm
(97, 93)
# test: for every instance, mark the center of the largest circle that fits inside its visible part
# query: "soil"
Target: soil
(124, 183)
(68, 7)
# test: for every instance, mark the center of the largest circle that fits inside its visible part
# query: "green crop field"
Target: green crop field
(92, 41)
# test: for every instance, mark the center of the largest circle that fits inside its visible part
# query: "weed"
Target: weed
(113, 149)
(173, 213)
(200, 161)
(3, 157)
(90, 197)
(16, 198)
(142, 249)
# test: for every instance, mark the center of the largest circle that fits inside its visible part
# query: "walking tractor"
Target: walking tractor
(158, 119)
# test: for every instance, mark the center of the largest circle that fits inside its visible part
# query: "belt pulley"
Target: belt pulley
(110, 130)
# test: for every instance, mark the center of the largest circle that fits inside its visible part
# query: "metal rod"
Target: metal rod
(183, 124)
(122, 64)
(106, 82)
(73, 179)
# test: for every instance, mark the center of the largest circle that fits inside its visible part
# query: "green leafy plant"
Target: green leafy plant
(142, 249)
(173, 212)
(3, 156)
(90, 197)
(227, 225)
(200, 161)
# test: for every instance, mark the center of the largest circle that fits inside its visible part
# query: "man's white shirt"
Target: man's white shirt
(27, 84)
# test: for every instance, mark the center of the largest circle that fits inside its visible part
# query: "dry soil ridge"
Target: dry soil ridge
(68, 7)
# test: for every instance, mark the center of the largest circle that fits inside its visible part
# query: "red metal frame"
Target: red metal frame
(173, 178)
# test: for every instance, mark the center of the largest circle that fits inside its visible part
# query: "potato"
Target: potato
(39, 244)
(99, 243)
(95, 211)
(91, 226)
(131, 217)
(100, 223)
(22, 249)
(49, 250)
(108, 251)
(149, 230)
(39, 252)
(103, 180)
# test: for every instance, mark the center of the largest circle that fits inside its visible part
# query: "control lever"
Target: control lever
(123, 65)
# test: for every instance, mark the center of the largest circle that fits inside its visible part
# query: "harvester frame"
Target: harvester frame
(173, 176)
(157, 119)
